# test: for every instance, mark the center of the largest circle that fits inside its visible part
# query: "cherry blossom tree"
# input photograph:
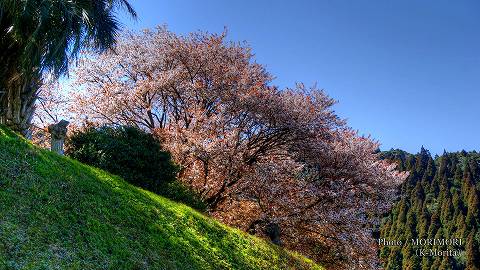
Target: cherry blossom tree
(275, 162)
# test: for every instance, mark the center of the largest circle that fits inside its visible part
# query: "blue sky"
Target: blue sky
(406, 71)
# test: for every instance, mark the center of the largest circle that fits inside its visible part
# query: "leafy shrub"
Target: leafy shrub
(125, 151)
(134, 155)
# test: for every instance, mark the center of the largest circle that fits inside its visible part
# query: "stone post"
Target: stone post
(58, 132)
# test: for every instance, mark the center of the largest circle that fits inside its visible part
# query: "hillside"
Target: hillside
(439, 200)
(56, 213)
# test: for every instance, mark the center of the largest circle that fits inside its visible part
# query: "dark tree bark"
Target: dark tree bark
(17, 104)
(273, 231)
(18, 85)
(269, 228)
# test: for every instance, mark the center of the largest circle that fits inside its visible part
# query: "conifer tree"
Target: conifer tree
(447, 263)
(457, 202)
(473, 212)
(395, 259)
(434, 225)
(461, 232)
(467, 184)
(422, 227)
(436, 263)
(472, 253)
(426, 262)
(446, 211)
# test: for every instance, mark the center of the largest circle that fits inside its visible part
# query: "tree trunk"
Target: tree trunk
(18, 104)
(273, 231)
(18, 87)
(269, 228)
(3, 106)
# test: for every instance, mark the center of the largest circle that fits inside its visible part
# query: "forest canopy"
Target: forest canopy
(439, 200)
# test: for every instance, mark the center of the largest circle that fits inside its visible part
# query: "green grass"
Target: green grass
(56, 213)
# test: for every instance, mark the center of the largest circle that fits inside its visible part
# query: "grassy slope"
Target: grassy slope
(56, 213)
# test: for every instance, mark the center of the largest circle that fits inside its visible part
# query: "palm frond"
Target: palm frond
(51, 33)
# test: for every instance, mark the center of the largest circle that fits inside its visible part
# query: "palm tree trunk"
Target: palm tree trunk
(18, 105)
(3, 106)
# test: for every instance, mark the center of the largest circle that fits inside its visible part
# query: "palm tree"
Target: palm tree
(43, 36)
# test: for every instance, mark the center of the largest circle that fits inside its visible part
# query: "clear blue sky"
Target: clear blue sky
(406, 71)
